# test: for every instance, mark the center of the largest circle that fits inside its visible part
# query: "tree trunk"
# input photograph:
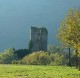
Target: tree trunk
(69, 56)
(79, 64)
(76, 58)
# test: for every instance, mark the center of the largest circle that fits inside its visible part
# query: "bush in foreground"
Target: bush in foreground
(57, 59)
(37, 58)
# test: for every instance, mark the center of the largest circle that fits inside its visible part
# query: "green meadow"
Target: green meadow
(31, 71)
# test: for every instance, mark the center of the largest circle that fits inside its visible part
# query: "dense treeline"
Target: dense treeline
(55, 55)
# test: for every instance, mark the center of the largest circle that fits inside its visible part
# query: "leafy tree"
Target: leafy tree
(55, 49)
(8, 56)
(69, 32)
(21, 53)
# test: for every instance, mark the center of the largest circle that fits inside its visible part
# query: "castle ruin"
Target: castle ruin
(38, 38)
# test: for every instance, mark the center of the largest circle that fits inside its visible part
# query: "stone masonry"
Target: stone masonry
(38, 38)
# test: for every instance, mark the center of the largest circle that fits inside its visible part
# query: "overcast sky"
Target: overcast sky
(17, 16)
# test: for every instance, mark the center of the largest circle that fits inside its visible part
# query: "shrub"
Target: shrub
(57, 59)
(15, 62)
(37, 58)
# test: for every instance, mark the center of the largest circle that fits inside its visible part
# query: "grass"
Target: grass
(24, 71)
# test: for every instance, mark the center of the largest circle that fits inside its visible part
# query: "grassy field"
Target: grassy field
(23, 71)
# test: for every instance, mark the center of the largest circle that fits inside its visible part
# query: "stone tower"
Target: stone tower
(38, 39)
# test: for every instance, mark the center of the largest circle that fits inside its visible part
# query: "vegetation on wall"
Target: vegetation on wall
(30, 45)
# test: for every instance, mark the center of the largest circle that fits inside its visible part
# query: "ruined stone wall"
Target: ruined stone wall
(38, 38)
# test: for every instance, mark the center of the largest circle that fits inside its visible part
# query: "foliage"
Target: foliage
(55, 49)
(57, 59)
(21, 53)
(15, 62)
(7, 56)
(37, 58)
(73, 60)
(69, 32)
(43, 58)
(58, 55)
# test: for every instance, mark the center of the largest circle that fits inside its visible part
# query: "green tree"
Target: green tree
(8, 56)
(21, 53)
(55, 49)
(69, 32)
